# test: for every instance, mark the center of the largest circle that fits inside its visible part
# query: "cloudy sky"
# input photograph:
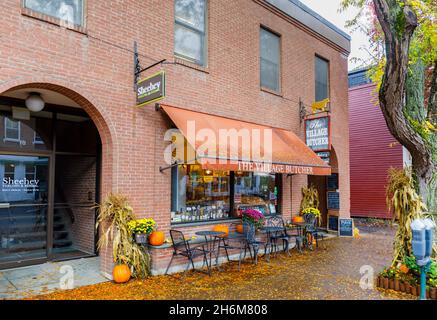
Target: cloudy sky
(328, 10)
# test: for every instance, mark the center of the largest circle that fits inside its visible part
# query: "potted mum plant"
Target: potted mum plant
(313, 211)
(141, 229)
(253, 217)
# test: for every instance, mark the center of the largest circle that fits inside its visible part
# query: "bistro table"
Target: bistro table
(212, 239)
(270, 232)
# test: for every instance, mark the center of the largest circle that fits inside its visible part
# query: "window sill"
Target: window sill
(191, 65)
(275, 93)
(52, 20)
(12, 140)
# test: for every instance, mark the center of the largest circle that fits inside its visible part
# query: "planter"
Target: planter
(402, 286)
(391, 284)
(408, 288)
(379, 282)
(414, 290)
(433, 293)
(396, 285)
(385, 283)
(141, 238)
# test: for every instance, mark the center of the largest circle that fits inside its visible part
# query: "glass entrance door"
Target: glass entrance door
(23, 208)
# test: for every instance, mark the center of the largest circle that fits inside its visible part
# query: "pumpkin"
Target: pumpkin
(156, 238)
(404, 269)
(121, 273)
(221, 228)
(297, 219)
(239, 228)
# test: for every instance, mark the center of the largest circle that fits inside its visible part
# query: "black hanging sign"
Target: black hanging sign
(151, 89)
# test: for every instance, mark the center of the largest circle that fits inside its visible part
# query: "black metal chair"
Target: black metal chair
(234, 241)
(182, 247)
(243, 242)
(252, 243)
(283, 235)
(312, 229)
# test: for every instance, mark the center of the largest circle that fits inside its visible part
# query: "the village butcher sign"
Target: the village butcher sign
(317, 134)
(151, 89)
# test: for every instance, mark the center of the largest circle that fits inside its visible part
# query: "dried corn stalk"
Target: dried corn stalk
(113, 216)
(406, 205)
(310, 198)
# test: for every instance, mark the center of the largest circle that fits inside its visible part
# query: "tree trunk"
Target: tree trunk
(398, 25)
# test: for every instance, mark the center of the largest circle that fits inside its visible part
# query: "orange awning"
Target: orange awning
(268, 150)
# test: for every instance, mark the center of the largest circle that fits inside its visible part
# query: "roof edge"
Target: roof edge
(308, 17)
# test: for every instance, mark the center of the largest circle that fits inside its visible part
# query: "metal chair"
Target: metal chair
(283, 235)
(182, 247)
(252, 243)
(234, 241)
(312, 229)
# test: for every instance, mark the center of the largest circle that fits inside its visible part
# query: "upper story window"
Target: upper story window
(190, 30)
(322, 79)
(270, 56)
(70, 11)
(12, 130)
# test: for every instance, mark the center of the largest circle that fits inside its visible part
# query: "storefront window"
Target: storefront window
(256, 191)
(199, 195)
(29, 135)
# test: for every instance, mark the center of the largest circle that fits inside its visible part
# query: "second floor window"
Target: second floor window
(12, 130)
(322, 79)
(70, 11)
(190, 30)
(270, 60)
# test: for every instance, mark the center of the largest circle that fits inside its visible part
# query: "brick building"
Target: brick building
(250, 61)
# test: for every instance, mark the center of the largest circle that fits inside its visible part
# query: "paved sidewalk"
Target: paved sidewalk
(39, 279)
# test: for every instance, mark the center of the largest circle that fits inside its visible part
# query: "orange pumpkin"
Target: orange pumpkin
(221, 228)
(156, 238)
(239, 228)
(297, 219)
(121, 273)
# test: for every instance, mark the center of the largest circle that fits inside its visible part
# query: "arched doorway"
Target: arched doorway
(50, 176)
(326, 185)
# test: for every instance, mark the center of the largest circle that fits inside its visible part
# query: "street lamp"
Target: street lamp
(34, 102)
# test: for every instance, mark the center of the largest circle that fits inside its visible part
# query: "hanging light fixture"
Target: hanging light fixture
(34, 102)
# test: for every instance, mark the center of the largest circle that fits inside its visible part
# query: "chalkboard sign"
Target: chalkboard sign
(332, 223)
(346, 226)
(332, 181)
(333, 198)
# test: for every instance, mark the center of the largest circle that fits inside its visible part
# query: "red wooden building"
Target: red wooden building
(373, 150)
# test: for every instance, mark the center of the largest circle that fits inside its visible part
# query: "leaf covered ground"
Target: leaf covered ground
(331, 273)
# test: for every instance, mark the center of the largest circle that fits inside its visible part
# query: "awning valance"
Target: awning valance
(221, 143)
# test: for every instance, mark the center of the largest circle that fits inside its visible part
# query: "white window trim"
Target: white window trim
(204, 35)
(6, 138)
(279, 64)
(35, 141)
(61, 21)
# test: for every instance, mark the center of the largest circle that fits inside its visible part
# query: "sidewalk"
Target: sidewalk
(39, 279)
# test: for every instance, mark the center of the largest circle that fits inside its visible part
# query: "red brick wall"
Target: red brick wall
(78, 177)
(95, 70)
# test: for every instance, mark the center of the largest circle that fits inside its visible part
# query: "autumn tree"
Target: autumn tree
(403, 47)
